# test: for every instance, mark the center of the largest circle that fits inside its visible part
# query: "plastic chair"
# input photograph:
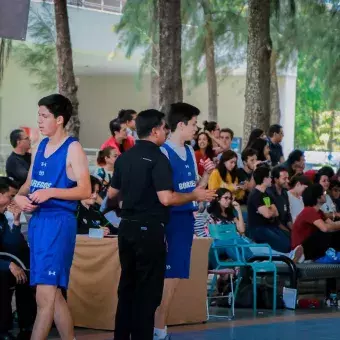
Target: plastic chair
(229, 236)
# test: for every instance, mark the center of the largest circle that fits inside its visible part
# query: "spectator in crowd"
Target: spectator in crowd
(203, 150)
(245, 174)
(225, 175)
(334, 192)
(275, 134)
(312, 229)
(19, 161)
(11, 274)
(214, 132)
(295, 163)
(90, 217)
(261, 147)
(226, 137)
(298, 184)
(323, 177)
(12, 207)
(337, 175)
(263, 225)
(128, 117)
(106, 159)
(278, 192)
(222, 210)
(119, 140)
(255, 134)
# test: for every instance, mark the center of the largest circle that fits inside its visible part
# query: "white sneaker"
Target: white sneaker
(297, 255)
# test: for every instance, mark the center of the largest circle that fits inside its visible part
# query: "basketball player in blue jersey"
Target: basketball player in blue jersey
(58, 179)
(182, 120)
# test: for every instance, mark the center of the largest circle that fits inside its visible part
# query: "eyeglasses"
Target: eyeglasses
(226, 197)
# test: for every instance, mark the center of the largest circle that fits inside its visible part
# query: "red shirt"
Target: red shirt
(304, 225)
(199, 156)
(128, 143)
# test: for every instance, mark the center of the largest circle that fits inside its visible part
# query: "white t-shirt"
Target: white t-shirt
(329, 206)
(181, 152)
(296, 206)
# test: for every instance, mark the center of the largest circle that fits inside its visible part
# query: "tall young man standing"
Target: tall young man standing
(182, 121)
(57, 180)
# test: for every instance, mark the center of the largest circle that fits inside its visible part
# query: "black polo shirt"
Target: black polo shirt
(139, 174)
(275, 152)
(281, 202)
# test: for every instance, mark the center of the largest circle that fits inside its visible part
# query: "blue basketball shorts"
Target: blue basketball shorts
(179, 235)
(52, 238)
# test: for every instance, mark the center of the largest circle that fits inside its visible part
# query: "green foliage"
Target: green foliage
(39, 58)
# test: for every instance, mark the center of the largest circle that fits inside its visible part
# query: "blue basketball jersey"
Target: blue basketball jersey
(183, 175)
(50, 172)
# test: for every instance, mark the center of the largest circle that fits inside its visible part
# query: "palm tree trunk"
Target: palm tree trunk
(170, 31)
(210, 62)
(330, 144)
(257, 95)
(155, 59)
(66, 79)
(275, 112)
(5, 51)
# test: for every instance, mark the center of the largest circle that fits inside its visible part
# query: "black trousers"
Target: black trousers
(25, 302)
(316, 245)
(142, 253)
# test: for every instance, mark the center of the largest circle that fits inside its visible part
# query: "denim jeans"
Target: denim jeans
(278, 239)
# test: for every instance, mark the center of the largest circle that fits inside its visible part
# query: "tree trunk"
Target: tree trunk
(170, 32)
(275, 112)
(66, 79)
(257, 94)
(155, 59)
(210, 62)
(330, 143)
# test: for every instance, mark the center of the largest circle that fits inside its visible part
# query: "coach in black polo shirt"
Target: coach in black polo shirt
(143, 177)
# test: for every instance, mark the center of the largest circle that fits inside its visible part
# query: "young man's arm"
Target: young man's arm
(77, 159)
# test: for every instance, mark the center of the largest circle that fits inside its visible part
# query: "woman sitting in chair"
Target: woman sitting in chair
(222, 210)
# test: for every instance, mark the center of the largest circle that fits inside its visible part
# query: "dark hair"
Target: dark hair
(260, 174)
(209, 126)
(230, 131)
(258, 145)
(255, 134)
(276, 171)
(102, 154)
(126, 115)
(275, 128)
(148, 120)
(334, 184)
(246, 153)
(324, 171)
(215, 208)
(115, 126)
(58, 105)
(294, 156)
(95, 181)
(302, 179)
(181, 113)
(226, 156)
(11, 182)
(4, 186)
(15, 137)
(209, 151)
(311, 195)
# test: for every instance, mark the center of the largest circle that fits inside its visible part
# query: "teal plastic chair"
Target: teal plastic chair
(229, 236)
